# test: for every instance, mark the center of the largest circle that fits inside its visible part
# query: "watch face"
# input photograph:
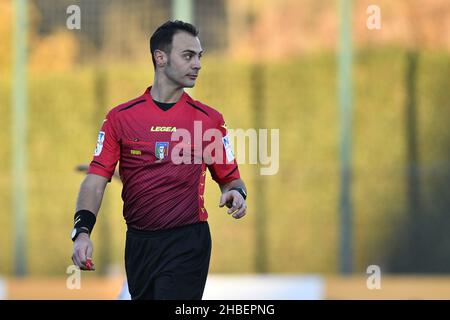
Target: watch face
(74, 233)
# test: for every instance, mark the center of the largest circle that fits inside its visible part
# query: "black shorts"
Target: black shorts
(168, 264)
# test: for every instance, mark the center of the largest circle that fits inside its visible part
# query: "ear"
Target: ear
(160, 58)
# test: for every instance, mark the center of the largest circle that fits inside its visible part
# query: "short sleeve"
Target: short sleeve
(224, 168)
(107, 150)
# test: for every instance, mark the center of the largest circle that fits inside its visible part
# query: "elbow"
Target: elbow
(94, 185)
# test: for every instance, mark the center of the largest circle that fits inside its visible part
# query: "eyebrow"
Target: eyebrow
(192, 51)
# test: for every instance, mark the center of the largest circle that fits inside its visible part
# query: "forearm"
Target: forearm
(91, 194)
(238, 183)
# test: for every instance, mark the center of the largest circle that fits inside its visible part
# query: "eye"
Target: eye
(188, 56)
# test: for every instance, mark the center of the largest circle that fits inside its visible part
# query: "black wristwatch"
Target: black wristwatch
(77, 231)
(241, 191)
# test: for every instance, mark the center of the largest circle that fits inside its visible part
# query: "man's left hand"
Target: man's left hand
(235, 202)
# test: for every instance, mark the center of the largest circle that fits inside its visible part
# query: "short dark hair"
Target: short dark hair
(162, 38)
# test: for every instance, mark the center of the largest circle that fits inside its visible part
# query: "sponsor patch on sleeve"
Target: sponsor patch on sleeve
(99, 146)
(228, 148)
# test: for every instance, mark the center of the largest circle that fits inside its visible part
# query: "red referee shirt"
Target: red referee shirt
(159, 192)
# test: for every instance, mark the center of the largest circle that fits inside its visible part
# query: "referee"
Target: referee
(168, 242)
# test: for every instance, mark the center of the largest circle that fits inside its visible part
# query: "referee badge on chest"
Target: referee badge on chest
(161, 150)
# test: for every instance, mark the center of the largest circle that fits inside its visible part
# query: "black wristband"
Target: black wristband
(241, 191)
(84, 219)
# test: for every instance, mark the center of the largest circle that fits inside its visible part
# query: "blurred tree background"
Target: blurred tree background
(401, 141)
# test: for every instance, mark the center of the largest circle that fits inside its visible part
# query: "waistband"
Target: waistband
(151, 233)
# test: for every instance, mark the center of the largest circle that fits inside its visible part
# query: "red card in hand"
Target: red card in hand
(88, 263)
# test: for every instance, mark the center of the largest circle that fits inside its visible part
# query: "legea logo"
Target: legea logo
(163, 129)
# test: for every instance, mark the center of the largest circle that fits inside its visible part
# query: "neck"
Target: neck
(164, 91)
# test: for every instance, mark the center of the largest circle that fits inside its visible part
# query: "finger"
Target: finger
(82, 256)
(241, 212)
(223, 200)
(236, 204)
(89, 251)
(76, 260)
(226, 199)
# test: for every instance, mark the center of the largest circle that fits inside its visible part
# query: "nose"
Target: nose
(196, 64)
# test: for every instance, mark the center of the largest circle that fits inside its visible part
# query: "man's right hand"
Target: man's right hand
(82, 252)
